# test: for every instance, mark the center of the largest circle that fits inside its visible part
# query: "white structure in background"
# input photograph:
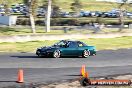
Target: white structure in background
(8, 20)
(118, 1)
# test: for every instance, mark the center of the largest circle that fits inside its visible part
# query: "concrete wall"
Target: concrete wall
(8, 20)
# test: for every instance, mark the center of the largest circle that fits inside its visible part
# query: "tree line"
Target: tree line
(51, 5)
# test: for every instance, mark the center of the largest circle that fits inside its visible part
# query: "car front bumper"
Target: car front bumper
(44, 53)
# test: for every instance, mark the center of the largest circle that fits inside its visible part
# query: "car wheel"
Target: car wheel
(56, 54)
(39, 53)
(86, 53)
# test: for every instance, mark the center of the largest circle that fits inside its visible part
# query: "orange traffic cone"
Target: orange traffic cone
(20, 76)
(86, 75)
(82, 70)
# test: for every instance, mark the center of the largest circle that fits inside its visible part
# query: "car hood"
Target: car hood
(48, 47)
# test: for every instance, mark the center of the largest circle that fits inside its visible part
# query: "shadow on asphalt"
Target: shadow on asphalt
(26, 56)
(73, 75)
(43, 57)
(8, 81)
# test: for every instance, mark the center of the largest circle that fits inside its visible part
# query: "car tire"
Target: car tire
(56, 54)
(39, 53)
(86, 53)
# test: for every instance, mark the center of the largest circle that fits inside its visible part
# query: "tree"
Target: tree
(48, 15)
(32, 13)
(76, 6)
(52, 10)
(32, 6)
(122, 8)
(6, 7)
(55, 9)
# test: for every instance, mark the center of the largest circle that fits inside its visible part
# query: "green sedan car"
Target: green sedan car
(67, 48)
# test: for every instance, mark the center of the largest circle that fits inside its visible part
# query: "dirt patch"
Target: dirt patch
(76, 84)
(73, 83)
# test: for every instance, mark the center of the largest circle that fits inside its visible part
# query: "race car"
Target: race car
(67, 48)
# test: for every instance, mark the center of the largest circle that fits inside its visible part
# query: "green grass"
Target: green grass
(24, 31)
(91, 5)
(101, 44)
(39, 30)
(110, 43)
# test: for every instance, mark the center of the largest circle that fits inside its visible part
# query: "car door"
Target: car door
(81, 48)
(71, 49)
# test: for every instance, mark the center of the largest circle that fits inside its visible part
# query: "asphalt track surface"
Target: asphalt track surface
(43, 70)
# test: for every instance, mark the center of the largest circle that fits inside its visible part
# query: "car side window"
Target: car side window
(80, 44)
(72, 44)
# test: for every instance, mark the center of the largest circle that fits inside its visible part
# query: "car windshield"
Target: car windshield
(61, 43)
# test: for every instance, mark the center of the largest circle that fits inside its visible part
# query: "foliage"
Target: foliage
(99, 20)
(76, 6)
(45, 4)
(91, 5)
(122, 8)
(6, 6)
(33, 7)
(55, 7)
(75, 21)
(23, 22)
(26, 2)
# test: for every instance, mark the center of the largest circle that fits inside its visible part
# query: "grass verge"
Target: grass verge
(101, 44)
(6, 31)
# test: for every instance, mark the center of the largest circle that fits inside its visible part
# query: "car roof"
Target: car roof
(70, 40)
